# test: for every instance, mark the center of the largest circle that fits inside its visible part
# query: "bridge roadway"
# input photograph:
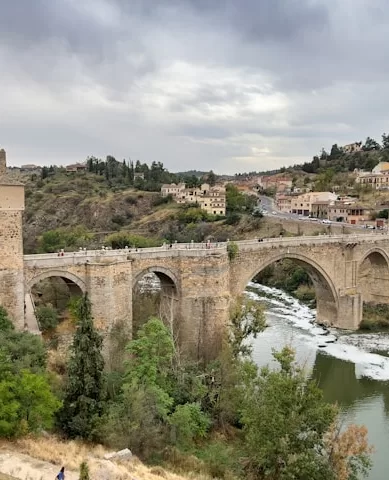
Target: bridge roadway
(199, 282)
(189, 249)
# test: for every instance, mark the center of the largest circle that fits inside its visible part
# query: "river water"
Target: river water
(351, 369)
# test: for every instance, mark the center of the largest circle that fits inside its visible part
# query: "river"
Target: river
(351, 369)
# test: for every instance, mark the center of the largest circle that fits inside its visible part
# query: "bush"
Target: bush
(232, 250)
(162, 200)
(47, 317)
(190, 422)
(233, 218)
(131, 200)
(118, 220)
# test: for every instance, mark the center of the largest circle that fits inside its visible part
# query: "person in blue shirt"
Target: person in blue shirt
(61, 475)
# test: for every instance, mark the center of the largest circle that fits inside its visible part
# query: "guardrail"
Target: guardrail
(193, 249)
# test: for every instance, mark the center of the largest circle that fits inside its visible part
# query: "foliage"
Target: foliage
(349, 451)
(247, 319)
(286, 275)
(190, 422)
(162, 200)
(151, 356)
(232, 250)
(285, 421)
(383, 213)
(124, 239)
(23, 350)
(140, 417)
(62, 238)
(6, 324)
(84, 391)
(47, 317)
(117, 173)
(239, 202)
(233, 218)
(26, 402)
(84, 471)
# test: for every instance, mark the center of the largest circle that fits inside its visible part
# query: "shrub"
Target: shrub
(118, 220)
(233, 218)
(47, 317)
(131, 200)
(232, 250)
(162, 200)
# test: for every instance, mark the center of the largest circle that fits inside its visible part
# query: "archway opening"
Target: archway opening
(373, 282)
(305, 282)
(52, 301)
(155, 294)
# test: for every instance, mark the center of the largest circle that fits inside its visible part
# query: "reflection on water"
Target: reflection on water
(362, 400)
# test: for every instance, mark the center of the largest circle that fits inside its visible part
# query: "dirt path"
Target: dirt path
(28, 468)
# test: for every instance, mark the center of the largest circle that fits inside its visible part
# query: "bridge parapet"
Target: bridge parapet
(245, 245)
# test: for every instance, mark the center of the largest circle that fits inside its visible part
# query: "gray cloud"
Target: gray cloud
(217, 84)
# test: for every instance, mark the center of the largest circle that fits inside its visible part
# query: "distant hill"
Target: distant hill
(190, 173)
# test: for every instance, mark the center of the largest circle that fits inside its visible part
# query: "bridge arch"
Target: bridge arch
(161, 301)
(327, 299)
(373, 276)
(57, 273)
(165, 276)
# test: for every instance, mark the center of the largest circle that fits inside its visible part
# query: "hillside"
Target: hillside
(86, 207)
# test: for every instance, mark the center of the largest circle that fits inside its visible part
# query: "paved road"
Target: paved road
(269, 209)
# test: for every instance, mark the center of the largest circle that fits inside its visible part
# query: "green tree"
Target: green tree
(6, 324)
(336, 152)
(385, 141)
(371, 144)
(247, 320)
(189, 423)
(84, 391)
(286, 426)
(26, 401)
(383, 213)
(211, 178)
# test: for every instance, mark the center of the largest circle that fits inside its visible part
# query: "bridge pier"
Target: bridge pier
(110, 291)
(349, 310)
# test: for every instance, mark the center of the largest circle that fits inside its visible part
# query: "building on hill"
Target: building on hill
(172, 189)
(302, 204)
(30, 168)
(284, 203)
(76, 167)
(378, 181)
(382, 167)
(210, 199)
(139, 176)
(352, 147)
(273, 182)
(353, 214)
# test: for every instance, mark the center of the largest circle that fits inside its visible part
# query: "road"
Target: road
(269, 209)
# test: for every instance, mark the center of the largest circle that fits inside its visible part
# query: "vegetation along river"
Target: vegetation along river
(352, 369)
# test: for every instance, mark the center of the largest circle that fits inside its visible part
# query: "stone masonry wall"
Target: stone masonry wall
(11, 265)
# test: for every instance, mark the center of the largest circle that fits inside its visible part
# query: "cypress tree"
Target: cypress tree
(84, 391)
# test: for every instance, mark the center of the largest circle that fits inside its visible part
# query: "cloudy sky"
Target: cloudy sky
(232, 85)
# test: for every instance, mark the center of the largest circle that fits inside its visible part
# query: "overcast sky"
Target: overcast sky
(228, 85)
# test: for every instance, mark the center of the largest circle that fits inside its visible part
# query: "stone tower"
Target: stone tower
(11, 245)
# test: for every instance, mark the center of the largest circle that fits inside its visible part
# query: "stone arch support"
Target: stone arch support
(56, 273)
(302, 259)
(161, 272)
(373, 276)
(327, 296)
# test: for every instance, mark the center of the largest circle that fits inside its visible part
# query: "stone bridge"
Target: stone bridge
(200, 281)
